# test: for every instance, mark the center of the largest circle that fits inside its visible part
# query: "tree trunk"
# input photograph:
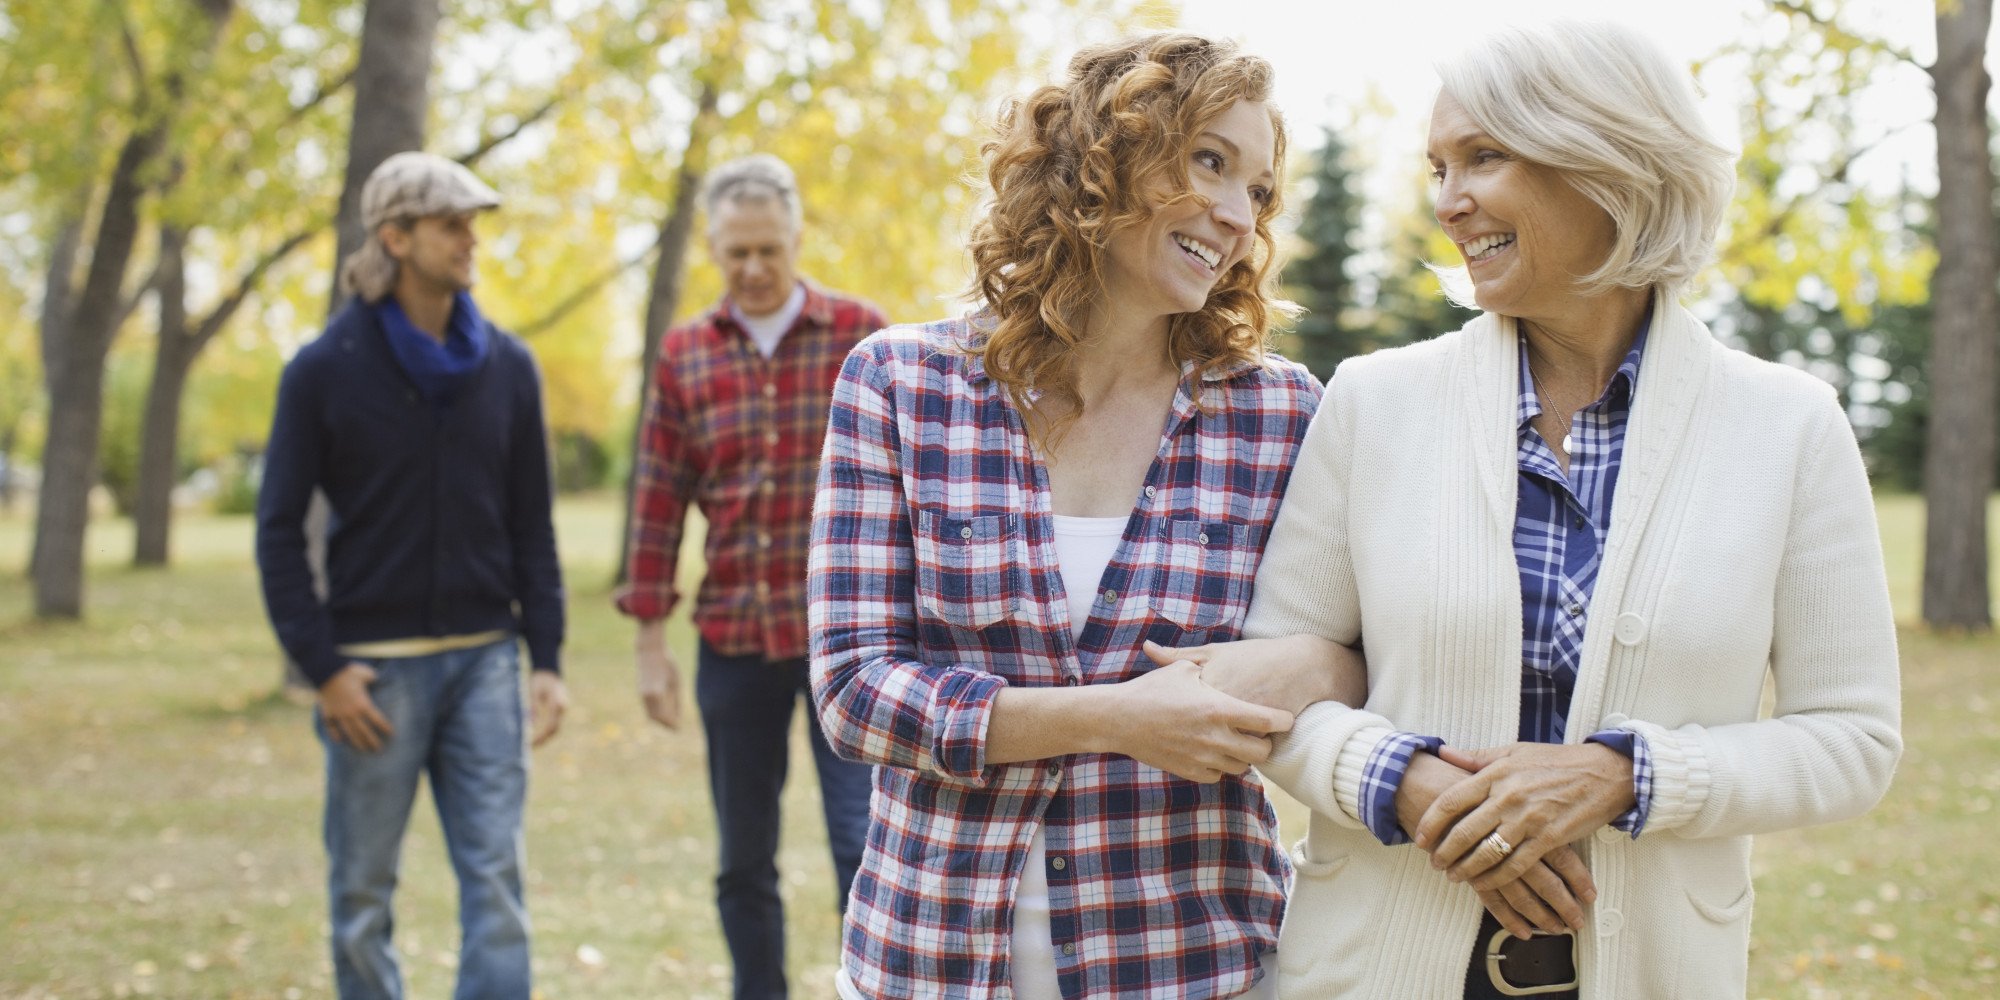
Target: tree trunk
(391, 105)
(58, 300)
(1965, 294)
(159, 434)
(676, 231)
(75, 359)
(74, 349)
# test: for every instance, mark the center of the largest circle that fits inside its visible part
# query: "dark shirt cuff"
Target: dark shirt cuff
(1382, 776)
(1632, 745)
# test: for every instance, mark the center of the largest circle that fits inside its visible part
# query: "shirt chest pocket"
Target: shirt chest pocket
(1203, 573)
(971, 571)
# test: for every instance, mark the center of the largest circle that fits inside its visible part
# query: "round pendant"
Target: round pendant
(1568, 447)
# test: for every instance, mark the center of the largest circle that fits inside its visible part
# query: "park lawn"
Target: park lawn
(159, 811)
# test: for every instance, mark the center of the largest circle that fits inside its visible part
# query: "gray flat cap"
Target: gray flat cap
(415, 185)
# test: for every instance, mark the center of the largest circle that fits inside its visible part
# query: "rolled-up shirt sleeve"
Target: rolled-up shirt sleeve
(877, 702)
(1382, 776)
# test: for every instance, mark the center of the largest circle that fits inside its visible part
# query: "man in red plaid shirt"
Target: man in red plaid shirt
(735, 419)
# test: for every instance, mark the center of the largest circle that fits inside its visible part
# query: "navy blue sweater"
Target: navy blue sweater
(441, 515)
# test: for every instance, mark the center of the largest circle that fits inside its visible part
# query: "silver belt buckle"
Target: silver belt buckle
(1494, 958)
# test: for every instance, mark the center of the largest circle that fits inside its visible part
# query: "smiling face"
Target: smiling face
(1168, 263)
(1525, 233)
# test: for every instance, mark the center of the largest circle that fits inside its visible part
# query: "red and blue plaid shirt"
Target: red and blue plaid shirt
(935, 583)
(739, 434)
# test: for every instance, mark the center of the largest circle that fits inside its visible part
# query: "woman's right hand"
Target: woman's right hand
(1549, 896)
(1169, 719)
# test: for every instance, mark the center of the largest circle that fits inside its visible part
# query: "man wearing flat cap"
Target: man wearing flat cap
(422, 424)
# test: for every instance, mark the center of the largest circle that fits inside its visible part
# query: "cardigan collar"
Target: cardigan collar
(1678, 349)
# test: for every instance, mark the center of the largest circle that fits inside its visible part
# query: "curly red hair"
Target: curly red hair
(1072, 164)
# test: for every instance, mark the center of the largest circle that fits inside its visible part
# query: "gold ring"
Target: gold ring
(1497, 843)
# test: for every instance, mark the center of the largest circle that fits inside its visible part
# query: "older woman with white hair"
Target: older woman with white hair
(1577, 536)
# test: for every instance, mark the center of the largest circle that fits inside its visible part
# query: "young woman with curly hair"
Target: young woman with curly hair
(1013, 503)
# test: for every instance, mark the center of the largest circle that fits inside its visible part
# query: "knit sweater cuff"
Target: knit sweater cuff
(1682, 776)
(1350, 767)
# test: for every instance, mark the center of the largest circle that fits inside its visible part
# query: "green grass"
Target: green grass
(159, 811)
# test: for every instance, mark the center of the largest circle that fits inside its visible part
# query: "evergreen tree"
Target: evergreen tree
(1409, 303)
(1317, 278)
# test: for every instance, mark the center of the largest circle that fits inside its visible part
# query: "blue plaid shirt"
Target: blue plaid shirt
(1560, 524)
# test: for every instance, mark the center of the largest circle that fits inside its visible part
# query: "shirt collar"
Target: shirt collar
(1619, 394)
(817, 311)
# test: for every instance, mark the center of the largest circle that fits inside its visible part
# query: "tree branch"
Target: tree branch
(583, 294)
(131, 302)
(1832, 28)
(132, 55)
(213, 323)
(327, 89)
(521, 124)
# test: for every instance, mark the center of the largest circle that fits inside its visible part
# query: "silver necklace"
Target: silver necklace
(1542, 396)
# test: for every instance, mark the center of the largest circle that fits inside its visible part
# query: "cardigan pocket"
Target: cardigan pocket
(971, 571)
(1723, 913)
(1203, 573)
(1317, 909)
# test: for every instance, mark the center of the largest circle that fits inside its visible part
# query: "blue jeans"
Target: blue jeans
(457, 717)
(746, 707)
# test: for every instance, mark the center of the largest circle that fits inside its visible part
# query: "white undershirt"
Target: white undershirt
(765, 331)
(1084, 547)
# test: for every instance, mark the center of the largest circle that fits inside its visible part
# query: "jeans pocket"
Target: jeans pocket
(1203, 572)
(971, 571)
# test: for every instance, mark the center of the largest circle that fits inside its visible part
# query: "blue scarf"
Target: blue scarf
(437, 369)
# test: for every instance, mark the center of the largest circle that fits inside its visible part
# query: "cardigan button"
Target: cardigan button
(1609, 922)
(1609, 835)
(1629, 629)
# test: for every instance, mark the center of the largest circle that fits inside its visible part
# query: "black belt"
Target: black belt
(1505, 966)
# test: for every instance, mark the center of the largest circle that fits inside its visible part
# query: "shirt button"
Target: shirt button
(771, 438)
(763, 588)
(1202, 538)
(770, 389)
(1110, 596)
(1151, 492)
(1069, 947)
(965, 532)
(766, 487)
(763, 539)
(1058, 863)
(1574, 610)
(1578, 523)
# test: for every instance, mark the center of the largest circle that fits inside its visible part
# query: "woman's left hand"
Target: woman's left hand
(1536, 796)
(1286, 674)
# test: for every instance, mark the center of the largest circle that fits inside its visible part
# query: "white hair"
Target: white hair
(1606, 107)
(755, 179)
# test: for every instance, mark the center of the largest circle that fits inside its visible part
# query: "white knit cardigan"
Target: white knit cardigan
(1743, 544)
